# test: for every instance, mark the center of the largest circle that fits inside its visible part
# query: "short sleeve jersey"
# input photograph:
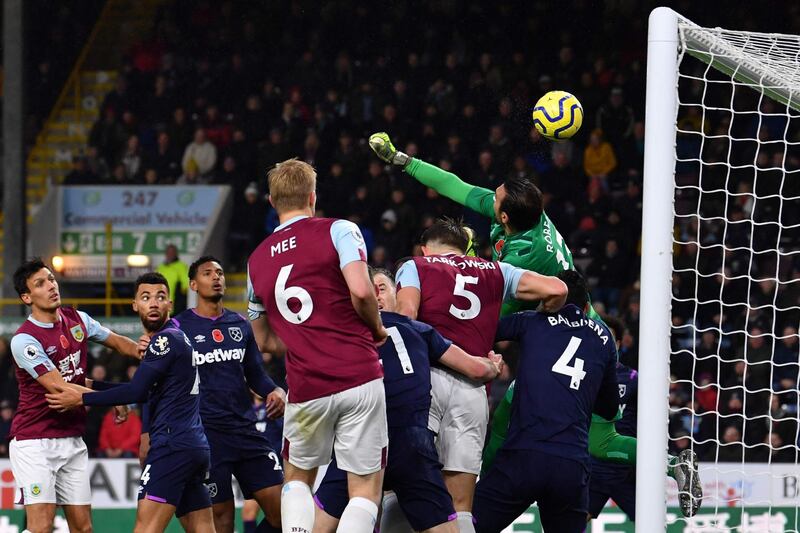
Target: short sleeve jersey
(224, 352)
(460, 296)
(295, 277)
(39, 348)
(567, 362)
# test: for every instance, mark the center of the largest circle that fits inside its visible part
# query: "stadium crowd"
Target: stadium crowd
(221, 92)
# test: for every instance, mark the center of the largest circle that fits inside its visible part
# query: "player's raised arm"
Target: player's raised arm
(525, 285)
(445, 183)
(444, 351)
(551, 291)
(476, 368)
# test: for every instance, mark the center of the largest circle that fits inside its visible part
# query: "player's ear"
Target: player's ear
(312, 200)
(26, 298)
(271, 202)
(424, 249)
(193, 285)
(503, 218)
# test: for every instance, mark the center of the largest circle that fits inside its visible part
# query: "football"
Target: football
(558, 115)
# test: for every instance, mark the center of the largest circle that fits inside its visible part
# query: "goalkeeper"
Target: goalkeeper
(524, 236)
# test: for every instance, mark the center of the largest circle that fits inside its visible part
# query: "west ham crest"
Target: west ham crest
(236, 334)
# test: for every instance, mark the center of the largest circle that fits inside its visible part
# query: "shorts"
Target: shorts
(413, 472)
(51, 470)
(459, 417)
(246, 456)
(176, 477)
(518, 478)
(352, 423)
(617, 482)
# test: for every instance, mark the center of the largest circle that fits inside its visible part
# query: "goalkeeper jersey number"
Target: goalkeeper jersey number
(540, 249)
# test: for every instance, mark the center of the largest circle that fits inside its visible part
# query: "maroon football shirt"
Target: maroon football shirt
(461, 297)
(296, 275)
(66, 345)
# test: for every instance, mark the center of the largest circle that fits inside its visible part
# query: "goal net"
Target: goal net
(721, 276)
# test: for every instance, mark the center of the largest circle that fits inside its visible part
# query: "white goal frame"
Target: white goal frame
(771, 76)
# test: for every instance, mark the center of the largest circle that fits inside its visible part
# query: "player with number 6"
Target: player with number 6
(309, 286)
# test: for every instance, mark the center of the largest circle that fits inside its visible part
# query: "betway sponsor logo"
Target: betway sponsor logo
(215, 356)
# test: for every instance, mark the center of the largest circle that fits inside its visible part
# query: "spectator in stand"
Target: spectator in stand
(108, 135)
(616, 118)
(248, 226)
(202, 152)
(96, 164)
(274, 150)
(119, 99)
(119, 439)
(6, 415)
(730, 449)
(599, 160)
(179, 130)
(611, 271)
(164, 158)
(216, 129)
(80, 174)
(132, 159)
(786, 360)
(390, 238)
(151, 177)
(177, 274)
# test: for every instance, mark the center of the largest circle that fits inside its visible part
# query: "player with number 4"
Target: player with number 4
(309, 288)
(461, 297)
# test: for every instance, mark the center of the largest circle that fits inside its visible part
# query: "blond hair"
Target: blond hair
(290, 184)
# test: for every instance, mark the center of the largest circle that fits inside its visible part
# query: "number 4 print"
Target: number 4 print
(575, 372)
(145, 475)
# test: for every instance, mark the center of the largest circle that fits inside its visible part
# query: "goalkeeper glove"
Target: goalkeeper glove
(382, 145)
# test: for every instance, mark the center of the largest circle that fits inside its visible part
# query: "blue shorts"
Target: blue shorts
(413, 472)
(176, 477)
(617, 482)
(518, 478)
(247, 456)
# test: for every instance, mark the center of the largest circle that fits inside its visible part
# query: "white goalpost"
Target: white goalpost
(720, 277)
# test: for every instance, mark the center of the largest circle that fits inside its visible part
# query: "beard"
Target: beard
(153, 325)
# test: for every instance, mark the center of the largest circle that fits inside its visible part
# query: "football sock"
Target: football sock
(608, 445)
(249, 526)
(297, 508)
(465, 523)
(358, 517)
(673, 460)
(393, 520)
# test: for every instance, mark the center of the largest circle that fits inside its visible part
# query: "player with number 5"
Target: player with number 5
(309, 286)
(461, 297)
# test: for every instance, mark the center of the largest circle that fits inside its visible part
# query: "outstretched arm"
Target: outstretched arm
(445, 183)
(481, 369)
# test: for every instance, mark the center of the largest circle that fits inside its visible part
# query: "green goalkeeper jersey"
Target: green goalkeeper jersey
(540, 249)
